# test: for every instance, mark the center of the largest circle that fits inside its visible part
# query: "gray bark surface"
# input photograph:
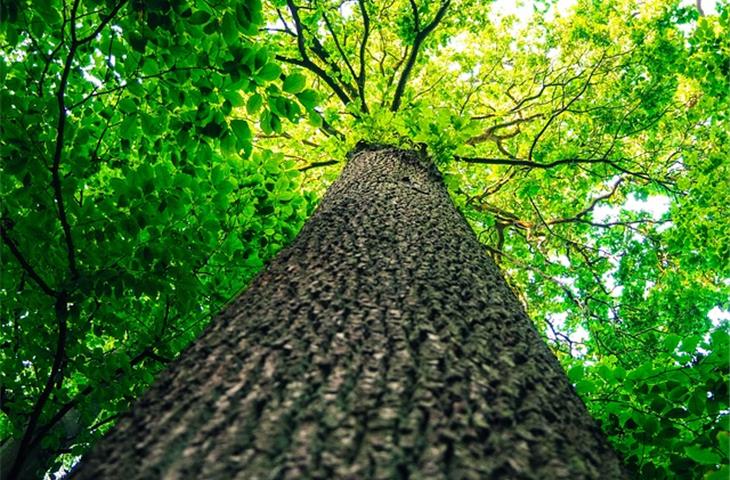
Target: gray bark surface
(384, 343)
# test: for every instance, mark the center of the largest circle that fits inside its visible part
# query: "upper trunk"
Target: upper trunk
(383, 343)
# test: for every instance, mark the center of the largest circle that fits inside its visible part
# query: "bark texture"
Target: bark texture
(383, 344)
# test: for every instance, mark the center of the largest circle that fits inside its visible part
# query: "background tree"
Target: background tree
(128, 221)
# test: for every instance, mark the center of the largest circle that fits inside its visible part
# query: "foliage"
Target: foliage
(131, 219)
(196, 139)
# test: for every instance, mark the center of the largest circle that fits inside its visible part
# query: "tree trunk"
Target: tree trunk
(383, 343)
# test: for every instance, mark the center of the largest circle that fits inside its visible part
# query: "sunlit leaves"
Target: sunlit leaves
(635, 95)
(294, 83)
(170, 209)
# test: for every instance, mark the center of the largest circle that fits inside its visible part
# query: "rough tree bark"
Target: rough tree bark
(383, 343)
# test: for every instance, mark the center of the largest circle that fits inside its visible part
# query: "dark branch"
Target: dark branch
(61, 125)
(565, 107)
(306, 62)
(338, 46)
(61, 317)
(6, 224)
(363, 48)
(322, 53)
(420, 37)
(312, 67)
(68, 406)
(60, 130)
(318, 164)
(104, 22)
(578, 216)
(564, 161)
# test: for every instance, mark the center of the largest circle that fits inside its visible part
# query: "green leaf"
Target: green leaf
(127, 105)
(275, 123)
(137, 41)
(254, 104)
(294, 83)
(678, 393)
(150, 67)
(269, 72)
(689, 344)
(576, 373)
(241, 130)
(199, 18)
(315, 118)
(128, 128)
(212, 129)
(308, 98)
(265, 122)
(229, 29)
(671, 342)
(703, 456)
(235, 98)
(135, 88)
(722, 474)
(697, 402)
(584, 387)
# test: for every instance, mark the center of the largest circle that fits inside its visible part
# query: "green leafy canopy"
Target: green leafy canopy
(156, 153)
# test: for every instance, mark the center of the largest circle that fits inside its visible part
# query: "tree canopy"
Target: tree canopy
(155, 154)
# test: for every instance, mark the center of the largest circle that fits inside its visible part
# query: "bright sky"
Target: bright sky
(523, 9)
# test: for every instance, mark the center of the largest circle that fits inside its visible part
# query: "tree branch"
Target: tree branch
(564, 161)
(61, 125)
(61, 306)
(4, 227)
(25, 442)
(363, 49)
(60, 128)
(337, 45)
(489, 132)
(420, 37)
(104, 22)
(318, 164)
(312, 67)
(565, 107)
(306, 62)
(589, 208)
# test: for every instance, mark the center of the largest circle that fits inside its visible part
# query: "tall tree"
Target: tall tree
(384, 343)
(155, 154)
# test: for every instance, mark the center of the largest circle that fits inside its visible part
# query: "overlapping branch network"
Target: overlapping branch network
(336, 68)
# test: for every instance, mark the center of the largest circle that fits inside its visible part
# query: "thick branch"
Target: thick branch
(312, 67)
(60, 131)
(61, 307)
(322, 53)
(420, 37)
(489, 132)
